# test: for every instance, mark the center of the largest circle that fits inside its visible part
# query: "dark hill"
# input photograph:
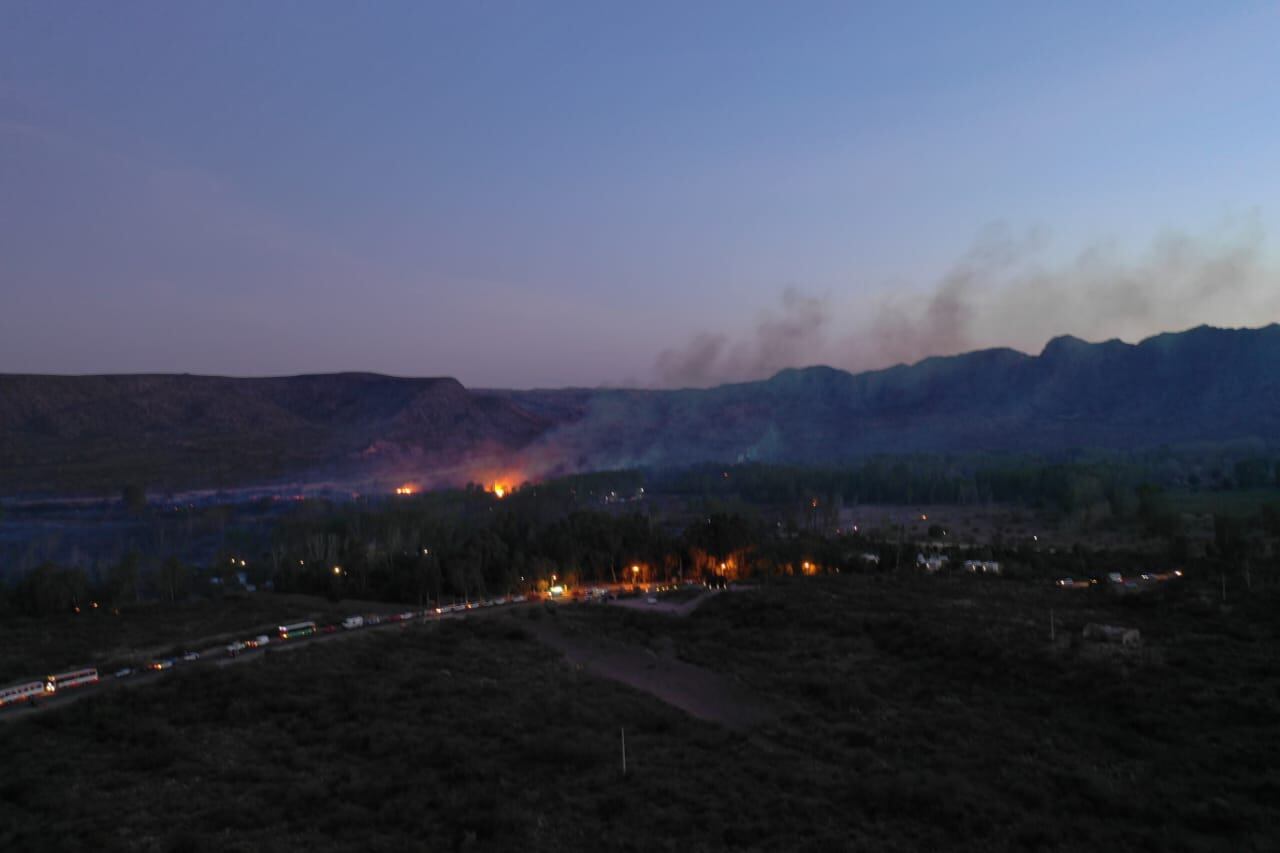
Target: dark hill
(1203, 385)
(177, 431)
(93, 433)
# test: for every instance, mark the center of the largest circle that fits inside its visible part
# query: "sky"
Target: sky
(548, 194)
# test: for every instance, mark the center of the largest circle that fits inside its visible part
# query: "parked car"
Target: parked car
(191, 656)
(236, 648)
(125, 672)
(160, 665)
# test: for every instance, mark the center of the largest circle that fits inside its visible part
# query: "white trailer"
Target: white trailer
(21, 693)
(74, 678)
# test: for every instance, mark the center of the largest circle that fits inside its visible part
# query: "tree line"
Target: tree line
(702, 522)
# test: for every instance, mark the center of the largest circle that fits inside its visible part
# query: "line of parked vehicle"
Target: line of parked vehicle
(52, 684)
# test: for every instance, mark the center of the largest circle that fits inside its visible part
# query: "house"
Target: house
(931, 563)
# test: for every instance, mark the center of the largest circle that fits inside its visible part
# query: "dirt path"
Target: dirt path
(665, 607)
(699, 692)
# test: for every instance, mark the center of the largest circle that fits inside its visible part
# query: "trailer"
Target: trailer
(73, 678)
(21, 693)
(297, 629)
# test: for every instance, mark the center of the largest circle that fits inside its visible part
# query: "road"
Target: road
(689, 690)
(217, 655)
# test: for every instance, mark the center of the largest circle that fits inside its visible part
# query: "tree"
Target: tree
(175, 579)
(1253, 473)
(122, 580)
(49, 589)
(134, 497)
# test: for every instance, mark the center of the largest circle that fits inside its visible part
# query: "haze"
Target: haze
(662, 193)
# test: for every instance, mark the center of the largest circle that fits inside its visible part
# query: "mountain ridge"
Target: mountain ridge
(93, 433)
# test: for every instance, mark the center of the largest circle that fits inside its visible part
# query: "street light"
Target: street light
(337, 570)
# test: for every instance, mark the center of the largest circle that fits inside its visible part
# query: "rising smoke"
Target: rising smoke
(1003, 293)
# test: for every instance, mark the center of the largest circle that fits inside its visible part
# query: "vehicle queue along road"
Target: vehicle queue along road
(66, 686)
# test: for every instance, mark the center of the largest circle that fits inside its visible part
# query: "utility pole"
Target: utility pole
(1052, 632)
(624, 751)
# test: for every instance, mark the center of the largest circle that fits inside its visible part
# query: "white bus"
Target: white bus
(21, 693)
(74, 678)
(298, 629)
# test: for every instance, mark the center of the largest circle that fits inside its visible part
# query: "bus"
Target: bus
(298, 629)
(74, 678)
(21, 693)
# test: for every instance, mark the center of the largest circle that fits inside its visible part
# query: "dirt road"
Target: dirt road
(699, 692)
(664, 606)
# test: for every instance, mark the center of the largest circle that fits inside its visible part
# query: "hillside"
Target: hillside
(1203, 385)
(93, 433)
(178, 431)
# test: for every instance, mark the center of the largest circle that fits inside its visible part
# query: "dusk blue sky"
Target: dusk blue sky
(522, 194)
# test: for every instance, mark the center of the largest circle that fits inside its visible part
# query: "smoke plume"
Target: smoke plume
(1003, 292)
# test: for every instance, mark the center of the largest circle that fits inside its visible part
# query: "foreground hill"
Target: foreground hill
(98, 432)
(912, 713)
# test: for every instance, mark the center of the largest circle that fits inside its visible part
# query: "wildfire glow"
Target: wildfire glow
(407, 489)
(500, 482)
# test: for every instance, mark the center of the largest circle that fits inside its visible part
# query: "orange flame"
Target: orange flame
(406, 489)
(499, 482)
